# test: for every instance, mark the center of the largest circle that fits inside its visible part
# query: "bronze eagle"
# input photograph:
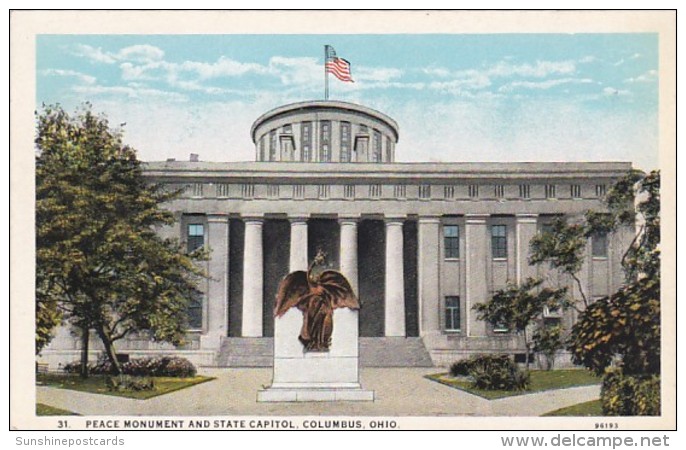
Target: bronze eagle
(316, 295)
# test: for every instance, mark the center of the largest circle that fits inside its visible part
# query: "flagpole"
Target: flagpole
(326, 74)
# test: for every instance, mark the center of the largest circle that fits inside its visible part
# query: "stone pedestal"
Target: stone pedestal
(301, 376)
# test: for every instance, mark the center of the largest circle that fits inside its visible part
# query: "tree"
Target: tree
(626, 325)
(99, 261)
(516, 307)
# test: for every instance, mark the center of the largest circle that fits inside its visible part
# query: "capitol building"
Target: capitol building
(420, 243)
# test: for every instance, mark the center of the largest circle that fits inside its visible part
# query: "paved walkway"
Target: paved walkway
(399, 392)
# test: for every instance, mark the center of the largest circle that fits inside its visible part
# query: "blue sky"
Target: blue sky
(486, 97)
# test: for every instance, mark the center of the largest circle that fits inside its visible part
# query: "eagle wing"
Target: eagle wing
(291, 290)
(339, 289)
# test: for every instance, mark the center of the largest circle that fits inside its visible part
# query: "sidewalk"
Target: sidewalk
(399, 392)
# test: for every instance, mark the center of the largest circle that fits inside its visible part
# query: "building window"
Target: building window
(424, 191)
(600, 190)
(196, 189)
(298, 191)
(262, 148)
(306, 141)
(575, 190)
(524, 190)
(345, 141)
(449, 192)
(499, 241)
(599, 245)
(499, 191)
(452, 313)
(325, 141)
(389, 150)
(195, 311)
(272, 145)
(222, 190)
(273, 190)
(400, 191)
(195, 236)
(247, 190)
(451, 239)
(375, 190)
(549, 191)
(323, 191)
(376, 150)
(473, 190)
(349, 191)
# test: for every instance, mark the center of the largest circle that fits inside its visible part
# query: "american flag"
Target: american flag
(339, 67)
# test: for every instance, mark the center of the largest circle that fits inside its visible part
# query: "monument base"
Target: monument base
(315, 392)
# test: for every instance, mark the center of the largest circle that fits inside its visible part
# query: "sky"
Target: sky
(456, 97)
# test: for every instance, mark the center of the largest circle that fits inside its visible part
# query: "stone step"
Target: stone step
(374, 352)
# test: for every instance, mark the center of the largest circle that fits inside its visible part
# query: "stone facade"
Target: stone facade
(420, 242)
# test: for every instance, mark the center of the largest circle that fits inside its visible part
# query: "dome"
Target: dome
(324, 131)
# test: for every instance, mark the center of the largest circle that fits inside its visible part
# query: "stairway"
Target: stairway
(393, 352)
(374, 352)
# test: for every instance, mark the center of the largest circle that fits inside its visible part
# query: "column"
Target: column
(428, 275)
(298, 258)
(395, 285)
(348, 252)
(252, 278)
(525, 231)
(476, 269)
(218, 283)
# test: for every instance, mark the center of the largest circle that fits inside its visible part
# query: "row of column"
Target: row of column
(253, 273)
(428, 267)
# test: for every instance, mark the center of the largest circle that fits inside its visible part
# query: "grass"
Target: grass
(96, 384)
(47, 410)
(585, 409)
(541, 380)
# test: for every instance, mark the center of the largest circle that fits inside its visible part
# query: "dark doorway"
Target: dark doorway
(371, 243)
(410, 276)
(236, 242)
(324, 234)
(276, 238)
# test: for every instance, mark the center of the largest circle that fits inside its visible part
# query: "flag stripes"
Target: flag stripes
(339, 67)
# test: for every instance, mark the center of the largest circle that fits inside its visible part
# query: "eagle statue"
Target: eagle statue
(317, 294)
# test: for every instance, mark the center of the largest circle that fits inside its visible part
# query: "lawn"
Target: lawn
(541, 380)
(96, 384)
(47, 410)
(592, 408)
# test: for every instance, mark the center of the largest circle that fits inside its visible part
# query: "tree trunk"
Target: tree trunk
(109, 349)
(526, 347)
(85, 338)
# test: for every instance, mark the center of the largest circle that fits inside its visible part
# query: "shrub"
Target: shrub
(163, 366)
(492, 372)
(123, 383)
(461, 367)
(630, 395)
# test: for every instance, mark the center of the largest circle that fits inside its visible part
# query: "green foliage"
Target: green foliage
(123, 383)
(630, 395)
(563, 248)
(162, 366)
(497, 372)
(547, 341)
(461, 368)
(516, 307)
(626, 325)
(99, 260)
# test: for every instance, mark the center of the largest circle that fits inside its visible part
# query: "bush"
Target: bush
(630, 395)
(164, 366)
(122, 383)
(492, 372)
(461, 368)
